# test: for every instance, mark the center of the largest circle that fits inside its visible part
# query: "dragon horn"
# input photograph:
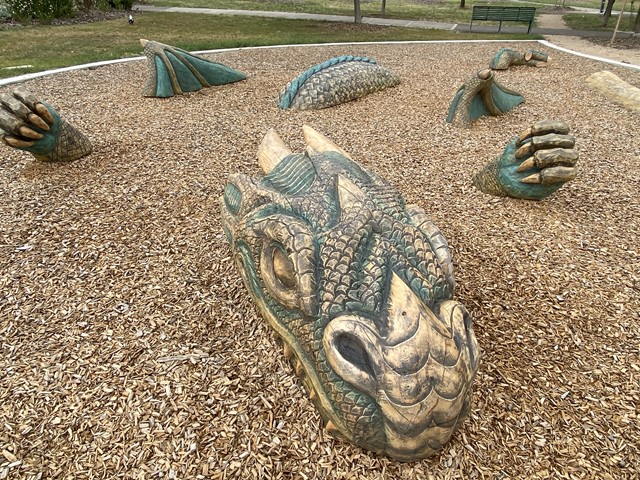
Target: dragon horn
(348, 193)
(319, 143)
(272, 151)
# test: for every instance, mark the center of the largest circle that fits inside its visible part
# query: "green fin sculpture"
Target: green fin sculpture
(173, 71)
(533, 165)
(505, 57)
(338, 80)
(479, 96)
(35, 127)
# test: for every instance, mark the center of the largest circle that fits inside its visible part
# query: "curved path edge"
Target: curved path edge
(31, 76)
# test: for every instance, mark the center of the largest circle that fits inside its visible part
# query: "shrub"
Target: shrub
(39, 9)
(121, 4)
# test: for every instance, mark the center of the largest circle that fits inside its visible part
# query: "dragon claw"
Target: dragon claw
(17, 143)
(31, 125)
(543, 127)
(534, 165)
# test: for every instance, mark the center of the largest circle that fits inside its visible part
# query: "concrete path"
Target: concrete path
(464, 28)
(300, 16)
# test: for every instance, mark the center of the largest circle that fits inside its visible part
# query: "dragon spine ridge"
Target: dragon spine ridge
(292, 88)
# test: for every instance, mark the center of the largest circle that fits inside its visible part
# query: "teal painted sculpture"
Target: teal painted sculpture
(359, 287)
(533, 165)
(173, 71)
(34, 126)
(505, 57)
(479, 96)
(336, 81)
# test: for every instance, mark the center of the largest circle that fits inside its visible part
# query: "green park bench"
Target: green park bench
(503, 14)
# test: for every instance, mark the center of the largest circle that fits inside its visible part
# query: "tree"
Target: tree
(462, 3)
(356, 11)
(607, 12)
(636, 27)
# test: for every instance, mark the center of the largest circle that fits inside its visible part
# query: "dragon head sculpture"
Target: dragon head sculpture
(358, 285)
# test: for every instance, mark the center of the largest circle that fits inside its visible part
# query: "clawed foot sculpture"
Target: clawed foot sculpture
(533, 165)
(34, 126)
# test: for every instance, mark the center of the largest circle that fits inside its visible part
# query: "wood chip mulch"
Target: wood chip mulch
(129, 347)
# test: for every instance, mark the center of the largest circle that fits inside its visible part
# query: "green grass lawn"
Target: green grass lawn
(46, 46)
(582, 21)
(435, 10)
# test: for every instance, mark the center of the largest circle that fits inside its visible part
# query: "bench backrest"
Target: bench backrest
(515, 14)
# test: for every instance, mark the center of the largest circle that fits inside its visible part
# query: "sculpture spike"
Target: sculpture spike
(331, 428)
(29, 133)
(535, 178)
(44, 113)
(14, 142)
(485, 74)
(320, 143)
(525, 150)
(348, 193)
(38, 122)
(526, 165)
(272, 151)
(288, 351)
(143, 42)
(526, 134)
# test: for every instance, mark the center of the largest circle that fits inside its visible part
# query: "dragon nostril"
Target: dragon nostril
(353, 351)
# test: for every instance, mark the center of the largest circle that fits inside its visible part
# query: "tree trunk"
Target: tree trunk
(607, 12)
(636, 28)
(462, 3)
(357, 15)
(384, 7)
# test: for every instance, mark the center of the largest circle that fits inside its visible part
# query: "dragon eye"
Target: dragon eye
(279, 274)
(283, 268)
(287, 261)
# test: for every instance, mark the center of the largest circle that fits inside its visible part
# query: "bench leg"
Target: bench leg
(500, 26)
(529, 31)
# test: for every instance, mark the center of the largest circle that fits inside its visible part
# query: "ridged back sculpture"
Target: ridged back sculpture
(338, 80)
(359, 287)
(506, 57)
(479, 96)
(29, 124)
(173, 71)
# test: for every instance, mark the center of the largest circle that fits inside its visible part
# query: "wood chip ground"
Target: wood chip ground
(130, 349)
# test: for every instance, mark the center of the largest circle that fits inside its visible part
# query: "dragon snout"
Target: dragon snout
(416, 364)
